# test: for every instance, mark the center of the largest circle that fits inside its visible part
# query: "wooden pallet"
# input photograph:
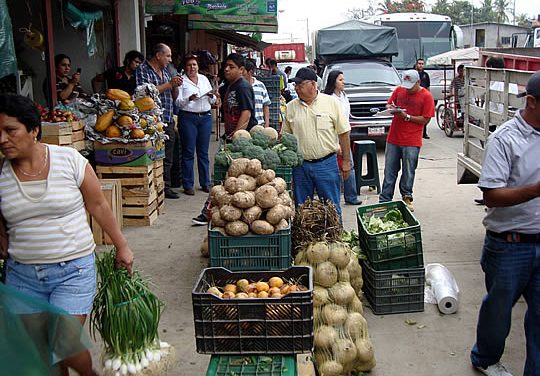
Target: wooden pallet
(160, 185)
(64, 134)
(132, 177)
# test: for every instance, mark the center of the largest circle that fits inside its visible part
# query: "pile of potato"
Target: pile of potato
(250, 199)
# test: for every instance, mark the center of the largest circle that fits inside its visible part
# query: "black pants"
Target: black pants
(172, 166)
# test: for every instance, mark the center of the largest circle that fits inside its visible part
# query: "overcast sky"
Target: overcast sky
(322, 13)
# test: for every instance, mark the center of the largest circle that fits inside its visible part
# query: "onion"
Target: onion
(340, 254)
(163, 345)
(317, 252)
(320, 296)
(341, 293)
(325, 274)
(108, 364)
(131, 368)
(344, 351)
(144, 363)
(330, 368)
(123, 370)
(355, 324)
(157, 356)
(325, 336)
(149, 355)
(116, 364)
(117, 373)
(334, 315)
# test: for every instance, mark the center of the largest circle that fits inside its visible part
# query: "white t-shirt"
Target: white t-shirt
(51, 227)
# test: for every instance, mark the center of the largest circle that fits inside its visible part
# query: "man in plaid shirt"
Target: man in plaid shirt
(154, 71)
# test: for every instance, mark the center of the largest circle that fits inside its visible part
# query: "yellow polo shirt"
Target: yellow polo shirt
(316, 125)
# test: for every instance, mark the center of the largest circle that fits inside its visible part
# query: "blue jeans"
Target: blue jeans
(321, 176)
(196, 130)
(349, 185)
(395, 157)
(511, 270)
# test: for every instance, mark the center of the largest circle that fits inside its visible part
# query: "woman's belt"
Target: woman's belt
(515, 237)
(320, 159)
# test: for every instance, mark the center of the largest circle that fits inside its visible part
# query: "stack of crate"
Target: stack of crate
(393, 273)
(64, 134)
(272, 84)
(112, 190)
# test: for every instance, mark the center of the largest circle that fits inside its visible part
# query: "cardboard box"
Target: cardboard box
(121, 154)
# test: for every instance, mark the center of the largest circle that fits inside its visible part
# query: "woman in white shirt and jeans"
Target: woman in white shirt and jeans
(45, 191)
(195, 100)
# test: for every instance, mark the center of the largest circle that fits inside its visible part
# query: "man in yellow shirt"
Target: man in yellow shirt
(315, 119)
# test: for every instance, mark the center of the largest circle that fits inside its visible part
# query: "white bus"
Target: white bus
(422, 35)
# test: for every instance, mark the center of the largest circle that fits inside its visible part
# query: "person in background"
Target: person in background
(313, 67)
(122, 78)
(457, 88)
(274, 69)
(288, 70)
(262, 100)
(317, 120)
(335, 86)
(45, 193)
(413, 108)
(510, 182)
(67, 88)
(154, 71)
(425, 83)
(195, 99)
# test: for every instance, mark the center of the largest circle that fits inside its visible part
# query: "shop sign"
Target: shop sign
(213, 7)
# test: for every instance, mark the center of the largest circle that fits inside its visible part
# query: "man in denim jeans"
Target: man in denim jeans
(412, 106)
(510, 182)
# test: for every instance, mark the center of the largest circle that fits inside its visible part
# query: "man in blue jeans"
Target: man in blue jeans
(510, 182)
(317, 120)
(412, 107)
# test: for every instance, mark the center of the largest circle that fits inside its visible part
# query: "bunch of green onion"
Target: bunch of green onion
(126, 314)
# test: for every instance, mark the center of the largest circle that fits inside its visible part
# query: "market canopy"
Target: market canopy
(239, 40)
(461, 55)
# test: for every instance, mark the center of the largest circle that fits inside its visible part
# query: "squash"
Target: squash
(145, 104)
(113, 131)
(124, 120)
(117, 94)
(137, 133)
(104, 121)
(126, 105)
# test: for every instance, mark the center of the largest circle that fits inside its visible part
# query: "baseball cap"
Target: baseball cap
(533, 86)
(305, 74)
(409, 78)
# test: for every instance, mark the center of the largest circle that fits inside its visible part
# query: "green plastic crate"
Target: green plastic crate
(250, 252)
(284, 172)
(278, 365)
(393, 291)
(389, 250)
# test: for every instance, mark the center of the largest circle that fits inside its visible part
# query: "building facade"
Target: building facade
(491, 35)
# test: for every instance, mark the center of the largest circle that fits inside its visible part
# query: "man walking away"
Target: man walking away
(262, 100)
(154, 71)
(510, 182)
(413, 106)
(425, 83)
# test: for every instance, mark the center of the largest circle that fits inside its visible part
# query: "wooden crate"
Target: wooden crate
(64, 134)
(160, 185)
(112, 190)
(139, 194)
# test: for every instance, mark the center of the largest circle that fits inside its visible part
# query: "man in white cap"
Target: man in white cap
(412, 107)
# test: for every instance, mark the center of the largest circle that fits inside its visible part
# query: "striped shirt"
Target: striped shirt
(146, 74)
(51, 228)
(261, 99)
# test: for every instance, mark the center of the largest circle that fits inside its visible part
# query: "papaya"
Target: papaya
(113, 131)
(126, 105)
(104, 121)
(124, 120)
(117, 94)
(144, 104)
(136, 133)
(143, 123)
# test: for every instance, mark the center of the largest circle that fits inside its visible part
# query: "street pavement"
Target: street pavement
(420, 344)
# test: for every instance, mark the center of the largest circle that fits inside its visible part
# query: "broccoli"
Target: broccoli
(289, 141)
(260, 139)
(253, 152)
(222, 159)
(240, 144)
(288, 158)
(271, 159)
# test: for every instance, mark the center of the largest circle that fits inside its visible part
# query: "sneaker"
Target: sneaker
(408, 202)
(201, 220)
(496, 369)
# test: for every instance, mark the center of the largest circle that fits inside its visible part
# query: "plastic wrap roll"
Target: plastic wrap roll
(444, 287)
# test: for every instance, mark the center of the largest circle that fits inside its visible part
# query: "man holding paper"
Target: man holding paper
(412, 107)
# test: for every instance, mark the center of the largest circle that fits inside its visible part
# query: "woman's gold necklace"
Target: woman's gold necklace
(40, 170)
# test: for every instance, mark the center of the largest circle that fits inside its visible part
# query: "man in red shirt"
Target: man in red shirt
(413, 108)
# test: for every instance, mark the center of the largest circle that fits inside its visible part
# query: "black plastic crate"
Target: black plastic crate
(250, 252)
(284, 172)
(277, 365)
(394, 291)
(272, 84)
(253, 326)
(390, 250)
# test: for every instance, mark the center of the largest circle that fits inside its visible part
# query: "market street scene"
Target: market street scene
(269, 187)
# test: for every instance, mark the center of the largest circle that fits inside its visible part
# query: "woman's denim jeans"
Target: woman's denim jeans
(511, 270)
(395, 157)
(195, 130)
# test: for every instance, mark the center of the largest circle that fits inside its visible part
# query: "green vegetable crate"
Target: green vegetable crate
(250, 252)
(394, 249)
(284, 172)
(278, 365)
(394, 291)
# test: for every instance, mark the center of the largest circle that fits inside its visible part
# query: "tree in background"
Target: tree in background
(522, 20)
(501, 7)
(485, 13)
(459, 11)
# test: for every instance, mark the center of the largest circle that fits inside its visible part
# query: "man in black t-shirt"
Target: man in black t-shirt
(425, 83)
(122, 78)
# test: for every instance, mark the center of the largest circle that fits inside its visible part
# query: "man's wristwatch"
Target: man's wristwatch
(408, 117)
